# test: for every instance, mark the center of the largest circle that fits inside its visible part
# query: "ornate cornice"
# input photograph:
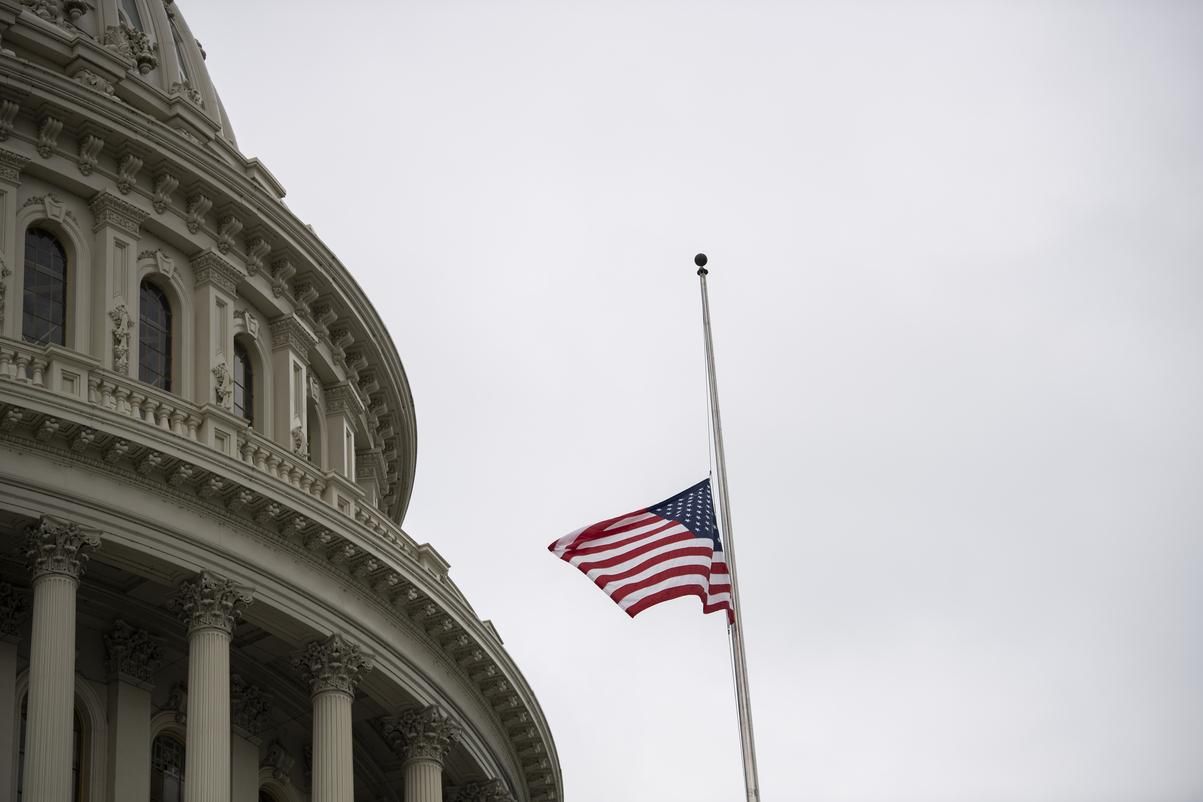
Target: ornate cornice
(485, 791)
(209, 268)
(421, 733)
(133, 654)
(290, 332)
(109, 210)
(334, 664)
(248, 706)
(342, 398)
(14, 604)
(210, 602)
(58, 547)
(11, 165)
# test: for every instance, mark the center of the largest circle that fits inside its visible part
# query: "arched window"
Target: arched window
(77, 749)
(166, 769)
(45, 311)
(244, 383)
(129, 14)
(154, 337)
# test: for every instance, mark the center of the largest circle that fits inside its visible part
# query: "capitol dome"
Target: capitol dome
(207, 448)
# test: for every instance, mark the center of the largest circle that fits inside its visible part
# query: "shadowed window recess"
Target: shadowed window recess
(44, 314)
(154, 337)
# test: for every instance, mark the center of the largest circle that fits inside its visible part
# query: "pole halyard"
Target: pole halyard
(734, 629)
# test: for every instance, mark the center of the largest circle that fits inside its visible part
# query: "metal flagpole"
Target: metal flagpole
(734, 629)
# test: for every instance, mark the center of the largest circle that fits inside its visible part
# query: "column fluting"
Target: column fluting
(423, 737)
(56, 554)
(333, 668)
(210, 607)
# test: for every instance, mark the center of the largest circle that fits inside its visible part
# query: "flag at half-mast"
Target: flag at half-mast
(665, 551)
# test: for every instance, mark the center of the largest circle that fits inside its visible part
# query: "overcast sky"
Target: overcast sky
(958, 303)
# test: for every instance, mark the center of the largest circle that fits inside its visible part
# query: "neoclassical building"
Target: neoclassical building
(207, 448)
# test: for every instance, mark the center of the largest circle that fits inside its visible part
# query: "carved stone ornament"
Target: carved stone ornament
(486, 791)
(186, 89)
(122, 325)
(133, 44)
(4, 274)
(165, 184)
(8, 113)
(248, 706)
(223, 386)
(279, 762)
(227, 228)
(58, 547)
(209, 268)
(48, 131)
(334, 664)
(300, 446)
(158, 260)
(110, 210)
(250, 323)
(132, 653)
(95, 82)
(127, 172)
(13, 606)
(90, 146)
(177, 701)
(210, 602)
(290, 332)
(256, 249)
(198, 206)
(74, 9)
(421, 733)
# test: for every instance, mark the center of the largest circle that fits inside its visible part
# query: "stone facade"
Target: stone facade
(192, 572)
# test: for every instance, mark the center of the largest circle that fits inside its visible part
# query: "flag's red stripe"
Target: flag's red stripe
(631, 554)
(687, 551)
(655, 579)
(575, 551)
(665, 595)
(600, 529)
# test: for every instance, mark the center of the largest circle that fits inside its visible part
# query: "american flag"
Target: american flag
(662, 552)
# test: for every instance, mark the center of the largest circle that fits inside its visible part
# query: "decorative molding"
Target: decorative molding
(227, 228)
(421, 733)
(8, 114)
(127, 172)
(223, 386)
(74, 9)
(209, 268)
(95, 82)
(14, 605)
(248, 706)
(198, 205)
(249, 322)
(186, 89)
(133, 654)
(290, 332)
(132, 44)
(48, 131)
(58, 547)
(11, 163)
(90, 146)
(256, 249)
(111, 210)
(122, 325)
(52, 207)
(342, 398)
(210, 602)
(334, 664)
(279, 762)
(165, 184)
(486, 791)
(282, 271)
(158, 260)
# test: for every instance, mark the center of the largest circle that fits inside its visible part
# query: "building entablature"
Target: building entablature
(144, 176)
(363, 551)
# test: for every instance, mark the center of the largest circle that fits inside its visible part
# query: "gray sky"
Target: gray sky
(958, 300)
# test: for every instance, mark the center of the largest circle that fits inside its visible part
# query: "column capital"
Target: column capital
(133, 654)
(484, 791)
(209, 268)
(334, 664)
(13, 606)
(424, 733)
(289, 332)
(110, 210)
(210, 602)
(11, 164)
(58, 547)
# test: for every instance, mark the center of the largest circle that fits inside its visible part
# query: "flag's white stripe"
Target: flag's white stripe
(671, 582)
(667, 548)
(614, 586)
(618, 551)
(619, 537)
(719, 598)
(630, 519)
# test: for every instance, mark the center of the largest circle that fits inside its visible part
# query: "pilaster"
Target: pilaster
(133, 657)
(343, 408)
(249, 716)
(291, 343)
(116, 229)
(216, 287)
(11, 165)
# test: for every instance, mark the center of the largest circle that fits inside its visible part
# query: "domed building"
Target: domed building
(207, 448)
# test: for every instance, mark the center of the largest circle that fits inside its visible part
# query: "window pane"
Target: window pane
(154, 337)
(45, 294)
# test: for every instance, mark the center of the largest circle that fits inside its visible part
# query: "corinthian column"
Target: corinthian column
(209, 606)
(56, 553)
(423, 737)
(333, 668)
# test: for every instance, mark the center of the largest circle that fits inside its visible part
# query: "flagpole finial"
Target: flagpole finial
(700, 261)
